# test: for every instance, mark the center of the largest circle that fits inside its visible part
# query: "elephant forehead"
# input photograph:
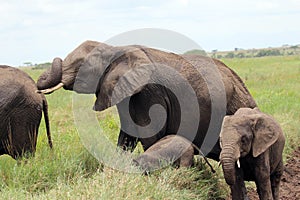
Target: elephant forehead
(229, 137)
(233, 125)
(236, 121)
(229, 132)
(245, 111)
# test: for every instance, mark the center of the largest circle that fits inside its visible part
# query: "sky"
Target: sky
(37, 31)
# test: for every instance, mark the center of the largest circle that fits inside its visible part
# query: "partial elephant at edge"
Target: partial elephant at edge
(21, 109)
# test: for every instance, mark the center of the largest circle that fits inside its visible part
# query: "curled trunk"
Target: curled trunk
(52, 76)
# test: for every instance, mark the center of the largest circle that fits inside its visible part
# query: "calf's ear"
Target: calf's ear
(266, 132)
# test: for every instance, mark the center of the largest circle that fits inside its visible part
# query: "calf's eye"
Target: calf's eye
(244, 140)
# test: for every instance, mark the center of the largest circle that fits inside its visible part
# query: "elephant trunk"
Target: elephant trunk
(51, 78)
(229, 171)
(228, 160)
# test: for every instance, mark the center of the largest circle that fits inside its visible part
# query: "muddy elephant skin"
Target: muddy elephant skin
(252, 143)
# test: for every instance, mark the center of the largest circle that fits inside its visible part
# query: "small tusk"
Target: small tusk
(49, 90)
(238, 164)
(219, 163)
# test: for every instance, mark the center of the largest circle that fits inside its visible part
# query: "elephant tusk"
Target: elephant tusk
(219, 163)
(49, 90)
(238, 163)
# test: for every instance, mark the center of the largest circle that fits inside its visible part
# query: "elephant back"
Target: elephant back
(17, 92)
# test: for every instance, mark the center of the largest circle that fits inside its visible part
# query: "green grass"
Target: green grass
(71, 172)
(274, 83)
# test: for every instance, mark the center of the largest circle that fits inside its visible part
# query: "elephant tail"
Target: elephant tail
(201, 154)
(46, 117)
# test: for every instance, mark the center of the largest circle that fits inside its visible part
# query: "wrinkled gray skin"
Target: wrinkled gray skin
(102, 66)
(20, 113)
(171, 149)
(257, 141)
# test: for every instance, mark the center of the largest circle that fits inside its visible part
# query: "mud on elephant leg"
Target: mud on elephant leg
(275, 180)
(264, 189)
(262, 174)
(238, 190)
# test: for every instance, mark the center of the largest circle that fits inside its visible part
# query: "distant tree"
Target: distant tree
(42, 66)
(214, 53)
(275, 52)
(196, 51)
(27, 64)
(240, 55)
(261, 53)
(229, 55)
(269, 52)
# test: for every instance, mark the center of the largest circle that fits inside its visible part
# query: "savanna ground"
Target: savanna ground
(71, 172)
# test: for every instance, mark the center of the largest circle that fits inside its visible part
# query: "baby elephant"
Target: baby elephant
(252, 144)
(170, 149)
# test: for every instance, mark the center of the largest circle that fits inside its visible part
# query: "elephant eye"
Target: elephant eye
(244, 140)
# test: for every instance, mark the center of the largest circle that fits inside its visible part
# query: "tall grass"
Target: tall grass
(71, 172)
(274, 83)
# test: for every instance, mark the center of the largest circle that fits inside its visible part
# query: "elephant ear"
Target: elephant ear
(266, 132)
(225, 123)
(74, 60)
(127, 74)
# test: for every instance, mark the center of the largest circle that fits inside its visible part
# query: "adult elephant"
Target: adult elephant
(20, 113)
(135, 78)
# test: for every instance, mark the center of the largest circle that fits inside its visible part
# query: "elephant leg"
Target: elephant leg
(264, 189)
(127, 142)
(238, 190)
(187, 158)
(262, 177)
(275, 181)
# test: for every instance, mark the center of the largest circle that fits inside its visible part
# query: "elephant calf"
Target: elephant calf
(252, 144)
(170, 149)
(20, 113)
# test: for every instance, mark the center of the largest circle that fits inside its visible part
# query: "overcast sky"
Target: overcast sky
(38, 31)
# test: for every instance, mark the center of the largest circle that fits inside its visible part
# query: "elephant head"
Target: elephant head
(63, 73)
(95, 67)
(246, 133)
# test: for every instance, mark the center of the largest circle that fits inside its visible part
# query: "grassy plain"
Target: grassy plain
(71, 172)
